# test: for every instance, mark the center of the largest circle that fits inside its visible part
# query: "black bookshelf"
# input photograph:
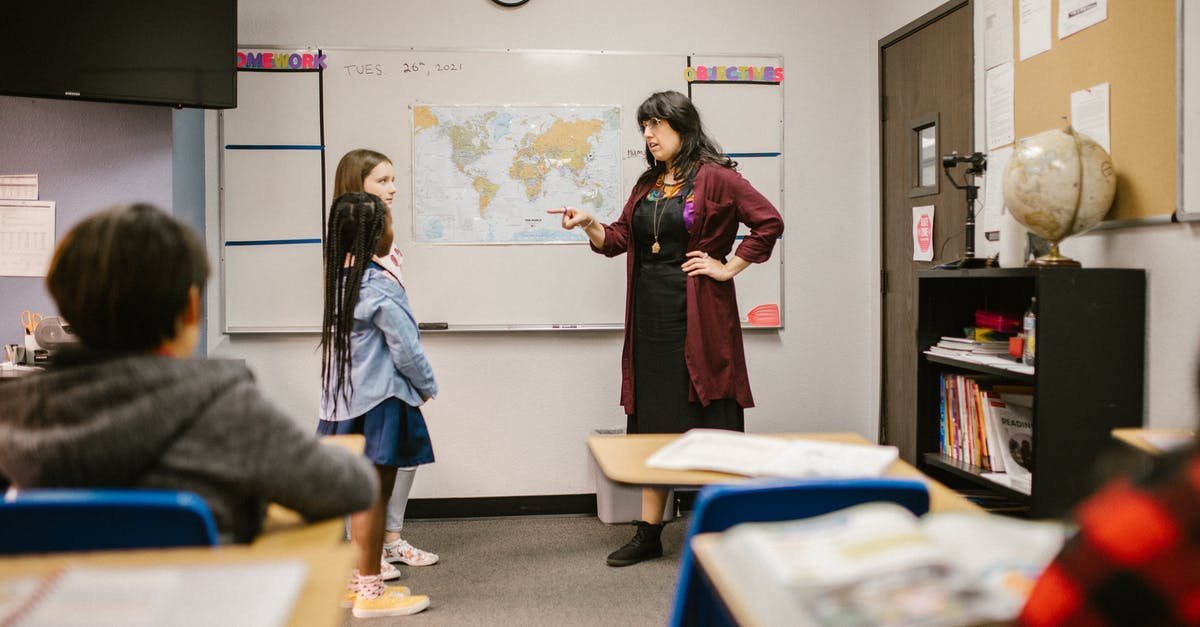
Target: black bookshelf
(1088, 374)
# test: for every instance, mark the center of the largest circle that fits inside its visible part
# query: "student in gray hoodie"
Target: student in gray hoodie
(131, 408)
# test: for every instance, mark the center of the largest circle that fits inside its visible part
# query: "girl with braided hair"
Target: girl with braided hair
(374, 377)
(364, 170)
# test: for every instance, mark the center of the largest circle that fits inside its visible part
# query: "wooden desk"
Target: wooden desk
(1155, 441)
(286, 537)
(622, 458)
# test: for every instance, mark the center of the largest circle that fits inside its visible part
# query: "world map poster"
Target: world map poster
(487, 174)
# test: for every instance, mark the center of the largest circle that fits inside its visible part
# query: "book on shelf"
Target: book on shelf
(988, 402)
(764, 456)
(967, 345)
(950, 341)
(987, 357)
(1014, 421)
(963, 420)
(877, 563)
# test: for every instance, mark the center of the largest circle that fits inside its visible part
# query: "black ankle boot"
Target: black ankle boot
(646, 544)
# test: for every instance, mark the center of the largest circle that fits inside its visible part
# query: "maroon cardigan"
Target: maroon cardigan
(716, 361)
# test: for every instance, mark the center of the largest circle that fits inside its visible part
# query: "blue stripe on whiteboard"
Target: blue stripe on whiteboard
(736, 155)
(272, 147)
(272, 242)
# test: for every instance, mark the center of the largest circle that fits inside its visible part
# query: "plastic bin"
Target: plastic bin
(620, 503)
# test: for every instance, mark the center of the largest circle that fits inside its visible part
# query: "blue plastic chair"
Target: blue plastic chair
(719, 507)
(47, 520)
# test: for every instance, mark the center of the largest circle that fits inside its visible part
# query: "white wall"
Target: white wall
(515, 408)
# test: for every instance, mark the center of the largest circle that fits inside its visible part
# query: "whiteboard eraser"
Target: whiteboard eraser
(433, 326)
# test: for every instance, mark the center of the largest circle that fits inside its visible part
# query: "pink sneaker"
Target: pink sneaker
(401, 551)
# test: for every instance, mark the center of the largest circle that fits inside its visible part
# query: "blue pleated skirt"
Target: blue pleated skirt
(395, 431)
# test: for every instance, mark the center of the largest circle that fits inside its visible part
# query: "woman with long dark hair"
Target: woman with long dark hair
(683, 365)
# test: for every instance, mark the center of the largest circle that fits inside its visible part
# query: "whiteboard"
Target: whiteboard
(271, 203)
(265, 287)
(269, 197)
(275, 107)
(366, 101)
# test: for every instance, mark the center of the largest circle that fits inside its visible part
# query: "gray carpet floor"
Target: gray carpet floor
(535, 571)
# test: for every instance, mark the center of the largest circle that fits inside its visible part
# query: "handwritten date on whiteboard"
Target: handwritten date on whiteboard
(378, 70)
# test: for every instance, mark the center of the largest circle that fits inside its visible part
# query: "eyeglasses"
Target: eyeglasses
(652, 123)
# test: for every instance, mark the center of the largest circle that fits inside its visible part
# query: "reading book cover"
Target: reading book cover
(1014, 419)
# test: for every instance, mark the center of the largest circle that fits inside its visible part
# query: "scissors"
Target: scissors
(30, 320)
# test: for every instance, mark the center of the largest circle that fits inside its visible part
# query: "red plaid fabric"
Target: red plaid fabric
(1135, 559)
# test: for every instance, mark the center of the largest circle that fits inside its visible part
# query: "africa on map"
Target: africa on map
(487, 174)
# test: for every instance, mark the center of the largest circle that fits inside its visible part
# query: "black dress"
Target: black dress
(660, 376)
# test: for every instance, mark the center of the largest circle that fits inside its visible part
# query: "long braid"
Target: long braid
(356, 221)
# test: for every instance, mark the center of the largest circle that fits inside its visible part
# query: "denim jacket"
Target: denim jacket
(386, 357)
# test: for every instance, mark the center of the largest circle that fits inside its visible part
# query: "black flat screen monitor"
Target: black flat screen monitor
(174, 52)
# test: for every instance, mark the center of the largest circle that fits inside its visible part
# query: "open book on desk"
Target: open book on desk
(764, 456)
(878, 564)
(251, 594)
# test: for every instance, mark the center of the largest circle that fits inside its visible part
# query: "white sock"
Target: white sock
(369, 586)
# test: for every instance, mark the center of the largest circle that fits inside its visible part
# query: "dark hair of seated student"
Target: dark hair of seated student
(122, 277)
(132, 408)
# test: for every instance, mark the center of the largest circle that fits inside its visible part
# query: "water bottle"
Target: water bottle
(1029, 329)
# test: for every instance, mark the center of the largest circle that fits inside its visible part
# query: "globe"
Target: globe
(1058, 183)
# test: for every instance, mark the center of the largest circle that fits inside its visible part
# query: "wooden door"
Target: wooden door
(926, 87)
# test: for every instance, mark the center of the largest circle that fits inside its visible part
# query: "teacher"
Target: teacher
(683, 365)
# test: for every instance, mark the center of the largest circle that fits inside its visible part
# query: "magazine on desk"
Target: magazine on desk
(250, 593)
(764, 456)
(878, 564)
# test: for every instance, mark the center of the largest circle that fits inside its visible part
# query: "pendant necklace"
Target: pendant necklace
(654, 248)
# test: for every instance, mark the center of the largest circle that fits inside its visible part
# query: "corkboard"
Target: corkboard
(1134, 52)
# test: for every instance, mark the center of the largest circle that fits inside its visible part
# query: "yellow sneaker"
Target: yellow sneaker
(351, 595)
(390, 603)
